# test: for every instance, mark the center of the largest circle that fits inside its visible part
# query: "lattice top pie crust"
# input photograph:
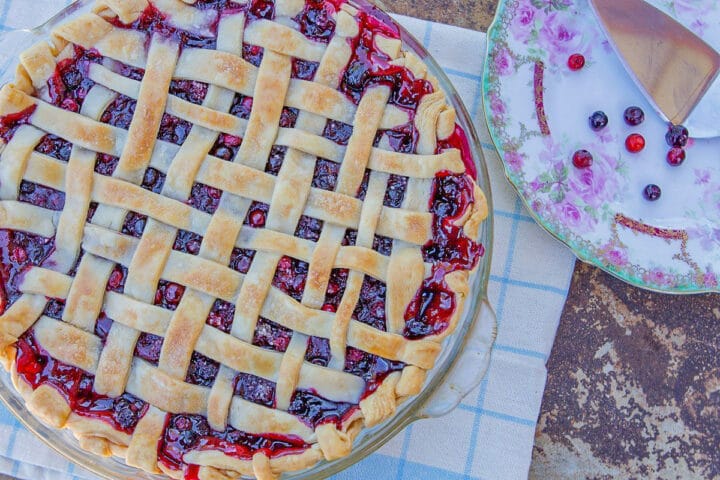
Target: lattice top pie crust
(206, 276)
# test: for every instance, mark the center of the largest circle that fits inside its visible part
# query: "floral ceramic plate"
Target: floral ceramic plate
(538, 108)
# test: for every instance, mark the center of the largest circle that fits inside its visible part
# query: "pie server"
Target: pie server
(675, 69)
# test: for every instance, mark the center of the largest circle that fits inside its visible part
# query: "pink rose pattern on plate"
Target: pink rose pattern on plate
(580, 206)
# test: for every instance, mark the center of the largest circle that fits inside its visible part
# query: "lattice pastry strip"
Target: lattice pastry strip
(185, 327)
(116, 360)
(62, 341)
(408, 225)
(120, 242)
(165, 59)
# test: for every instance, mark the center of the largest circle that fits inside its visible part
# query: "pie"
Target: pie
(232, 235)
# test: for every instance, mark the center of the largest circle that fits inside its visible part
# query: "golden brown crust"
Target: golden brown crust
(205, 276)
(142, 451)
(382, 403)
(126, 10)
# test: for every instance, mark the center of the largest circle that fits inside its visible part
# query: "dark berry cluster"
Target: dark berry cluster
(676, 137)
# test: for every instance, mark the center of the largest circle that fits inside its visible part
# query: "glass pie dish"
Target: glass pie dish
(458, 369)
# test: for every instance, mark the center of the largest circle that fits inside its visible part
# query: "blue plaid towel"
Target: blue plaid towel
(490, 435)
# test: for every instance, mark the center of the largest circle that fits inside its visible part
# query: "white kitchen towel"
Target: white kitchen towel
(490, 435)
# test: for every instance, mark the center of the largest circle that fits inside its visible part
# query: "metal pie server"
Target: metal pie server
(675, 69)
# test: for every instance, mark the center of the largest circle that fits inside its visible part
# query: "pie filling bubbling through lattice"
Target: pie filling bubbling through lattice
(429, 312)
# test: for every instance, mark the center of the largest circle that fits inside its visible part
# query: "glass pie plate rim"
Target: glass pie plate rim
(458, 370)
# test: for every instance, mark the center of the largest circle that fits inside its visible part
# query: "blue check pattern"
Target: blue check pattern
(490, 435)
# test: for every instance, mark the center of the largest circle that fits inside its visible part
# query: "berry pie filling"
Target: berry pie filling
(184, 433)
(429, 312)
(37, 368)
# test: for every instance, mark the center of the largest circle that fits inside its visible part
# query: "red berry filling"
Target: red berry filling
(134, 224)
(153, 180)
(18, 252)
(54, 146)
(204, 198)
(241, 259)
(382, 244)
(221, 315)
(11, 122)
(395, 192)
(102, 326)
(129, 72)
(370, 66)
(261, 9)
(272, 336)
(257, 214)
(168, 294)
(318, 351)
(187, 242)
(185, 433)
(154, 21)
(369, 367)
(290, 276)
(350, 238)
(430, 311)
(37, 367)
(450, 247)
(459, 140)
(326, 173)
(120, 112)
(148, 347)
(116, 281)
(335, 289)
(309, 228)
(54, 309)
(288, 117)
(370, 308)
(241, 106)
(189, 90)
(173, 129)
(92, 208)
(338, 132)
(316, 20)
(41, 196)
(70, 84)
(362, 190)
(402, 139)
(275, 160)
(226, 147)
(304, 69)
(428, 314)
(253, 54)
(223, 6)
(255, 389)
(315, 410)
(202, 370)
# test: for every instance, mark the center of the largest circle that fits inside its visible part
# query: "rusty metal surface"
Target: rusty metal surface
(633, 386)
